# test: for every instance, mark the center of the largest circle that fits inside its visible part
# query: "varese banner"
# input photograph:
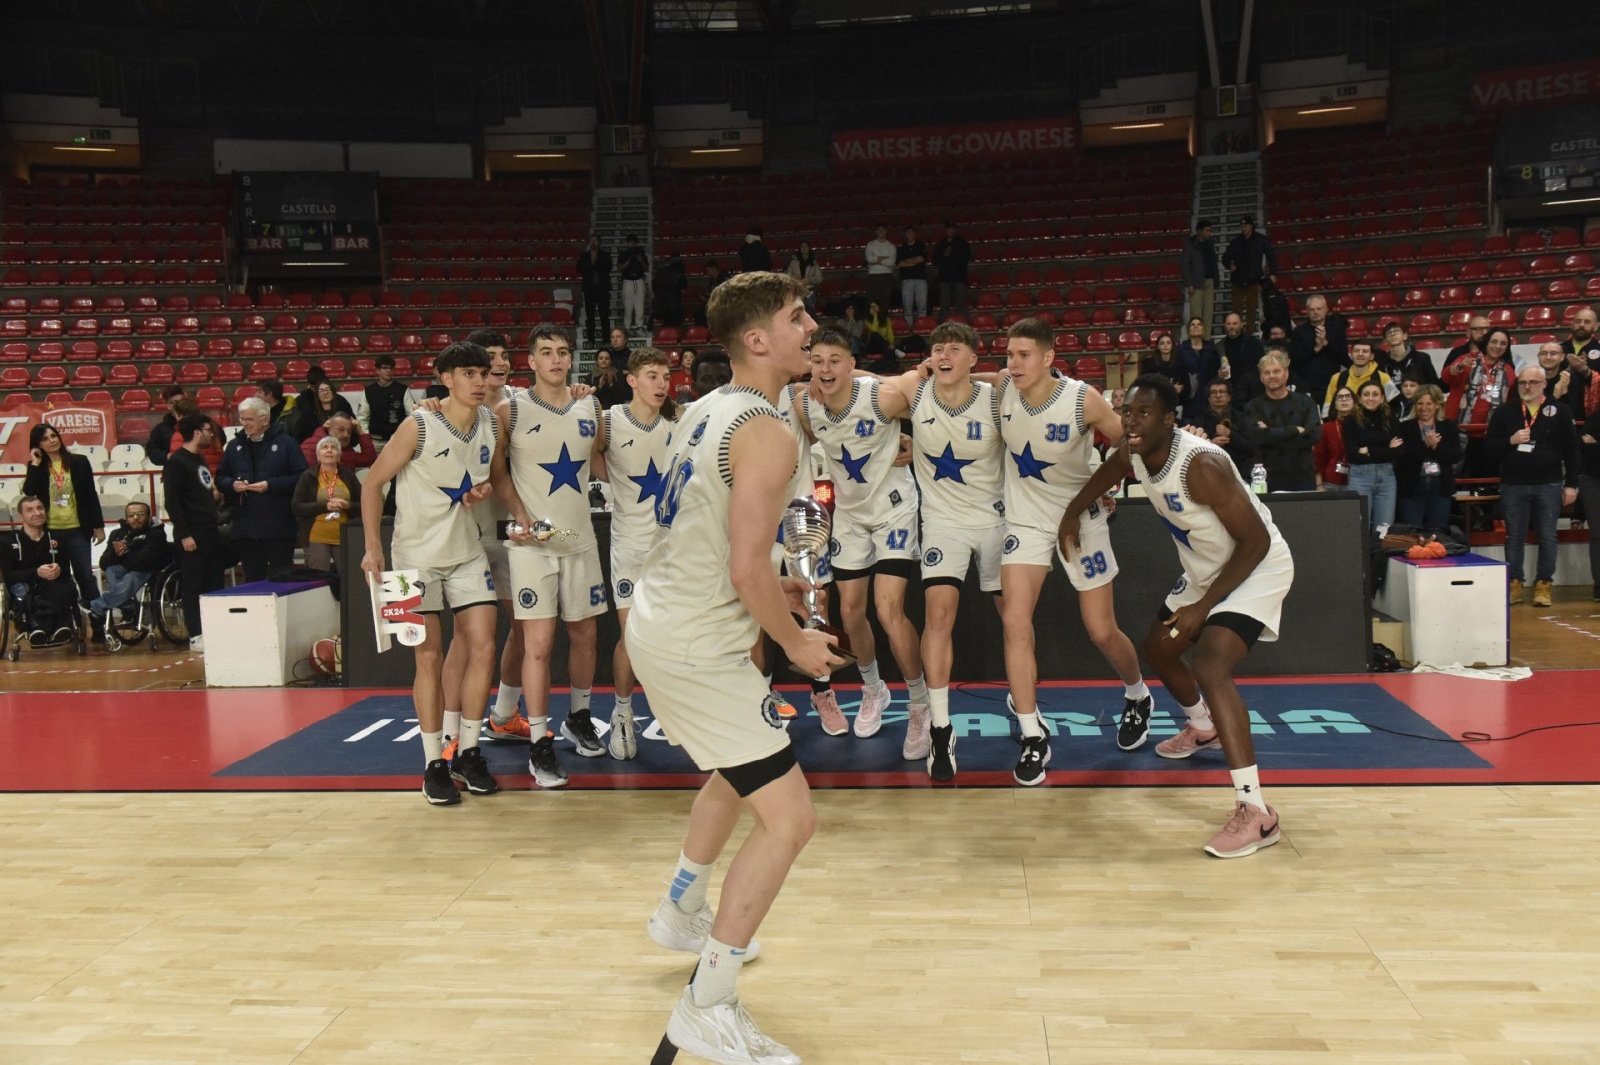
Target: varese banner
(923, 145)
(79, 422)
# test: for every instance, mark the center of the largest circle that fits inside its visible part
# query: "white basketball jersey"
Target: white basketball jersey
(548, 449)
(859, 446)
(491, 512)
(432, 527)
(1050, 453)
(1204, 545)
(685, 606)
(636, 463)
(958, 454)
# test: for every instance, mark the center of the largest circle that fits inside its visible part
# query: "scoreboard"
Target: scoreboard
(311, 237)
(1546, 153)
(308, 224)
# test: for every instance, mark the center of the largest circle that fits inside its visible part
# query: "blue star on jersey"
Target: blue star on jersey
(854, 468)
(652, 483)
(947, 466)
(1027, 465)
(563, 472)
(456, 494)
(1180, 535)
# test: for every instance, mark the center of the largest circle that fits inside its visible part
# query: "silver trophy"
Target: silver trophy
(807, 531)
(540, 532)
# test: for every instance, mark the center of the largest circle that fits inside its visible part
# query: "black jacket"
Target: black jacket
(1174, 371)
(1292, 430)
(1416, 360)
(1590, 452)
(148, 550)
(21, 556)
(1315, 369)
(36, 482)
(951, 256)
(1413, 453)
(1249, 259)
(594, 271)
(386, 408)
(159, 446)
(753, 256)
(1238, 447)
(186, 493)
(1555, 456)
(262, 515)
(1367, 445)
(635, 264)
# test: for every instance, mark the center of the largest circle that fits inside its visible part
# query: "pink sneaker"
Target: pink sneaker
(1187, 742)
(826, 704)
(1246, 832)
(919, 740)
(869, 717)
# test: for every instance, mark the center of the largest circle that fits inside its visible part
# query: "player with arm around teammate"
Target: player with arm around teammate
(1236, 573)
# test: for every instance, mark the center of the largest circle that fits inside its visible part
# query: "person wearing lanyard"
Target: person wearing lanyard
(1425, 469)
(324, 499)
(66, 483)
(1536, 445)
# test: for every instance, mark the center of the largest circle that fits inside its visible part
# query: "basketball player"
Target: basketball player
(855, 419)
(1048, 425)
(636, 438)
(440, 463)
(1236, 573)
(955, 434)
(708, 590)
(546, 441)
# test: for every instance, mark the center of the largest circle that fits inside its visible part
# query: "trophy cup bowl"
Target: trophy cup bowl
(539, 532)
(807, 530)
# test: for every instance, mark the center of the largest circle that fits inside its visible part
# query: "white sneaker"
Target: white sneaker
(197, 644)
(622, 740)
(869, 716)
(674, 929)
(724, 1033)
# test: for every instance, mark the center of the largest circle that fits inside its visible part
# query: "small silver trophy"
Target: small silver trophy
(540, 532)
(807, 530)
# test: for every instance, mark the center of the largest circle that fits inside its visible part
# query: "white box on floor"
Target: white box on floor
(1454, 609)
(257, 634)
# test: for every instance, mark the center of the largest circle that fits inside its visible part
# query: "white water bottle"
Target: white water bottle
(1258, 479)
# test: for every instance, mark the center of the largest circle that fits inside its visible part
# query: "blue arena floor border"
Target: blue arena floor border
(1297, 726)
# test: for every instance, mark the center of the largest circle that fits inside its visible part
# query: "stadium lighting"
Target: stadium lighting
(80, 148)
(314, 264)
(541, 155)
(1326, 110)
(1581, 199)
(711, 151)
(1140, 125)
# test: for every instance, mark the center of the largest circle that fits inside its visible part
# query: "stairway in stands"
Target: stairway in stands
(615, 215)
(1226, 187)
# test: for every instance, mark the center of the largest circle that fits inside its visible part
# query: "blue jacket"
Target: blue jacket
(262, 515)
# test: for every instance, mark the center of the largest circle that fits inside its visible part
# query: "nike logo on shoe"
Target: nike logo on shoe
(1267, 830)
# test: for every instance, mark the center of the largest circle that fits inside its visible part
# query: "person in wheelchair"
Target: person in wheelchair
(136, 551)
(38, 578)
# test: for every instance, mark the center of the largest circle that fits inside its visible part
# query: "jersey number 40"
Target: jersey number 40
(672, 495)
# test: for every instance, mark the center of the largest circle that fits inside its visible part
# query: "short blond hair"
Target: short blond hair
(1275, 357)
(748, 300)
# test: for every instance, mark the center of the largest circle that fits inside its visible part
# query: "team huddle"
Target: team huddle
(1003, 473)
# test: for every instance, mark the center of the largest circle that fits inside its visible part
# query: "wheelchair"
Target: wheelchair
(15, 631)
(155, 614)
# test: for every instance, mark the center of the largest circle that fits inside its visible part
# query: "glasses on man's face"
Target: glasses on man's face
(1530, 384)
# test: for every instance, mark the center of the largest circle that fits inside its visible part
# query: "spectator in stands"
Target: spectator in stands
(65, 481)
(682, 380)
(159, 446)
(635, 267)
(880, 268)
(609, 383)
(1401, 358)
(1477, 329)
(713, 275)
(671, 279)
(881, 358)
(911, 259)
(1198, 266)
(1250, 260)
(212, 454)
(326, 497)
(1199, 356)
(1582, 340)
(388, 401)
(38, 576)
(1164, 360)
(712, 370)
(1283, 427)
(1425, 468)
(1319, 347)
(1402, 408)
(260, 468)
(853, 327)
(1535, 445)
(1363, 368)
(594, 277)
(1370, 445)
(1589, 486)
(271, 390)
(877, 323)
(313, 410)
(803, 264)
(356, 449)
(1478, 385)
(1241, 354)
(1558, 380)
(1214, 422)
(135, 551)
(753, 254)
(1275, 335)
(951, 257)
(1333, 470)
(191, 497)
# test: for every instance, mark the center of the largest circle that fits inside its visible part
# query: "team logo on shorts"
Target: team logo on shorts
(488, 579)
(1011, 544)
(1177, 589)
(933, 557)
(894, 498)
(624, 589)
(769, 711)
(528, 598)
(833, 547)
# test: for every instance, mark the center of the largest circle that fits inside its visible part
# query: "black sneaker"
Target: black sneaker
(1596, 591)
(942, 756)
(1135, 727)
(63, 634)
(547, 772)
(472, 772)
(37, 637)
(437, 787)
(579, 728)
(1034, 757)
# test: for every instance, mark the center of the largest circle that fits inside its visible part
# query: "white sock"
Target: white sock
(939, 702)
(688, 889)
(469, 733)
(624, 703)
(1031, 728)
(537, 726)
(505, 703)
(869, 674)
(917, 690)
(452, 723)
(432, 747)
(717, 974)
(1136, 692)
(580, 699)
(1199, 716)
(1247, 787)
